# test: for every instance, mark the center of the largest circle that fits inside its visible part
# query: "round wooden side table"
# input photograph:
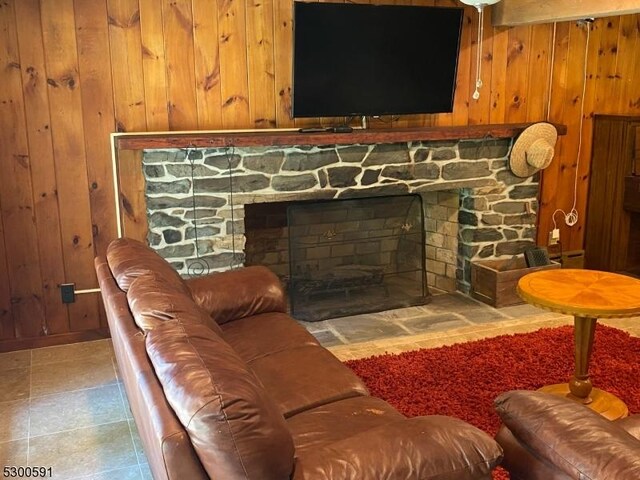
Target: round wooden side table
(587, 295)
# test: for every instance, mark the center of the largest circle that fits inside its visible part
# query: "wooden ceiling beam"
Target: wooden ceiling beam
(508, 13)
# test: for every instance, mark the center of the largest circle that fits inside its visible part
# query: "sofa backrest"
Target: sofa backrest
(154, 299)
(236, 429)
(166, 443)
(128, 259)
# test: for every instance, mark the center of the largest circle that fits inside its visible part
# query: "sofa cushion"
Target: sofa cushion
(338, 420)
(419, 448)
(264, 334)
(153, 300)
(235, 428)
(238, 293)
(306, 377)
(128, 259)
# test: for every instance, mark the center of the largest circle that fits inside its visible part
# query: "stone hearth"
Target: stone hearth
(474, 207)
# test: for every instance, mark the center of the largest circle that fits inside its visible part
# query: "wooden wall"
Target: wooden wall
(72, 71)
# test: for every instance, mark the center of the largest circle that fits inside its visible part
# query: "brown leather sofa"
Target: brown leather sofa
(548, 437)
(224, 384)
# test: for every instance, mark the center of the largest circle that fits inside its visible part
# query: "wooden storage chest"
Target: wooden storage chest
(494, 281)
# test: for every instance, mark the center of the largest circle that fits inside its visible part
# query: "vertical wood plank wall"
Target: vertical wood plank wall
(72, 71)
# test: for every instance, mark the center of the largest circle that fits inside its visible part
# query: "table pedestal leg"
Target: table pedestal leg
(580, 384)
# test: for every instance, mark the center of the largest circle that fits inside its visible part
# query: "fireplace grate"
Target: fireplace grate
(356, 256)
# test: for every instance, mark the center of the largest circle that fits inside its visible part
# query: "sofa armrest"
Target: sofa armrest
(238, 293)
(570, 436)
(420, 448)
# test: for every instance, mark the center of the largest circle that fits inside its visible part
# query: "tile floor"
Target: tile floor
(64, 407)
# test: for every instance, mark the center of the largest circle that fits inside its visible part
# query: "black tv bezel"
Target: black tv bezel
(376, 113)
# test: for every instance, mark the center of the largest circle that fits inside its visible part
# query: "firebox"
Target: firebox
(355, 256)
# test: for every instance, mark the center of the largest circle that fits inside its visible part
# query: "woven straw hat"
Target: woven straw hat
(533, 150)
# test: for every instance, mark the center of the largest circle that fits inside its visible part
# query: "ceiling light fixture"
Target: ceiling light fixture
(479, 4)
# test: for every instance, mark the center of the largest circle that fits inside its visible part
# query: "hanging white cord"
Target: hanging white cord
(553, 58)
(571, 218)
(476, 93)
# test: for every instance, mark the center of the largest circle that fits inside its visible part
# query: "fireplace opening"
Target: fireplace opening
(343, 257)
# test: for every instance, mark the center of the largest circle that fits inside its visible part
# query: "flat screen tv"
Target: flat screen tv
(369, 60)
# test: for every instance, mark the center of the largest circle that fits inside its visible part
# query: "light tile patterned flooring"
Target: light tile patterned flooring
(64, 407)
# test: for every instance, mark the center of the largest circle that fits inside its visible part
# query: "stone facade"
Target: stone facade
(200, 194)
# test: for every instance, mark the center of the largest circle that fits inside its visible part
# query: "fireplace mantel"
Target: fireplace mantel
(283, 137)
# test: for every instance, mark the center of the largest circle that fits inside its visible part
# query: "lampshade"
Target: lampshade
(479, 3)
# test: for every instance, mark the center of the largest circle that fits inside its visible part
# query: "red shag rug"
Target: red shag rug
(462, 380)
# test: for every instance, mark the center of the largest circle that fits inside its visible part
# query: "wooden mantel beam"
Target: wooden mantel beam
(508, 13)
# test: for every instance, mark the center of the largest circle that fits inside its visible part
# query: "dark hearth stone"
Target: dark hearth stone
(385, 154)
(499, 164)
(509, 178)
(427, 171)
(459, 170)
(161, 220)
(510, 234)
(353, 154)
(205, 248)
(241, 183)
(421, 155)
(185, 170)
(510, 207)
(524, 191)
(475, 203)
(177, 251)
(207, 201)
(237, 226)
(513, 248)
(393, 189)
(294, 182)
(153, 239)
(440, 143)
(225, 259)
(443, 154)
(174, 186)
(200, 213)
(399, 172)
(158, 156)
(195, 154)
(154, 171)
(171, 236)
(522, 219)
(340, 177)
(223, 162)
(467, 218)
(370, 177)
(300, 162)
(468, 251)
(322, 178)
(481, 235)
(486, 252)
(476, 149)
(530, 233)
(491, 219)
(205, 231)
(268, 163)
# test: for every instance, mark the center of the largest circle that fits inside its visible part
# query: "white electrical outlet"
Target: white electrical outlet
(554, 236)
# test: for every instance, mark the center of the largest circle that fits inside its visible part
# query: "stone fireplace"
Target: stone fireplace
(474, 208)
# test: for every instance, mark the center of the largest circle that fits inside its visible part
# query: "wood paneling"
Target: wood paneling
(75, 70)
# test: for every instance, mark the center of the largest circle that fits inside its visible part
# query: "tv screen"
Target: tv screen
(358, 59)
